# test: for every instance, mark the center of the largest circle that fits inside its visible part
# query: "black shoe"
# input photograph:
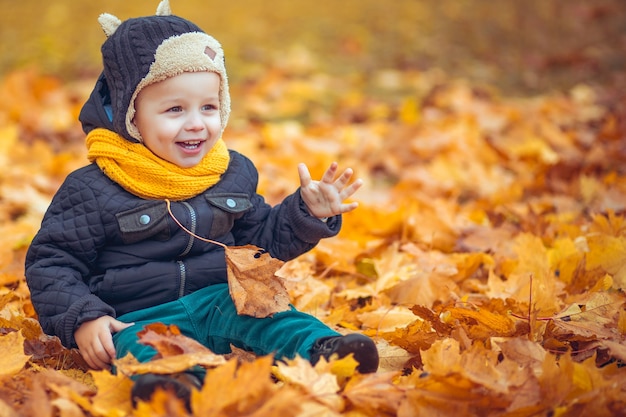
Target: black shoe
(362, 347)
(178, 384)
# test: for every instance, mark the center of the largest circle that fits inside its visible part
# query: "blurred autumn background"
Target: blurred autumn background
(487, 258)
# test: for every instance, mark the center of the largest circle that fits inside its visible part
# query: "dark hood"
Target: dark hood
(96, 112)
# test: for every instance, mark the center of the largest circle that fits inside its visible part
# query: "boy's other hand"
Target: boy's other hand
(95, 341)
(325, 198)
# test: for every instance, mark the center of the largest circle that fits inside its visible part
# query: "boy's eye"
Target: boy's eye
(209, 107)
(175, 109)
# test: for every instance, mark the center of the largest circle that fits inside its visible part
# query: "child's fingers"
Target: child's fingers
(350, 189)
(345, 208)
(304, 174)
(329, 175)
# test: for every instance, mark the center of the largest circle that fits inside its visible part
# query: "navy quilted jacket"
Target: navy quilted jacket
(104, 251)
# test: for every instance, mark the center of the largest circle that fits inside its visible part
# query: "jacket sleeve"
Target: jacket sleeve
(286, 230)
(59, 259)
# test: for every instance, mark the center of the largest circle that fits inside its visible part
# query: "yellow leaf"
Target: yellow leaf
(113, 396)
(244, 389)
(376, 394)
(608, 253)
(565, 258)
(483, 323)
(321, 385)
(13, 358)
(344, 367)
(409, 111)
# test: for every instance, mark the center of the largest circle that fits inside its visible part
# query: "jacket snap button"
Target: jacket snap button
(144, 219)
(231, 203)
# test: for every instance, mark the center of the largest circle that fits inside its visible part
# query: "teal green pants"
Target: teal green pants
(209, 316)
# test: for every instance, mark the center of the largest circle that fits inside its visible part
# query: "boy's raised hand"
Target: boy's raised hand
(325, 198)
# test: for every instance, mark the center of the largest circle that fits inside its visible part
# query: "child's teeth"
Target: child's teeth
(192, 144)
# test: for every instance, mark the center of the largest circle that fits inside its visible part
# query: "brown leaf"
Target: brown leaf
(253, 285)
(128, 365)
(240, 355)
(175, 352)
(594, 317)
(442, 329)
(168, 340)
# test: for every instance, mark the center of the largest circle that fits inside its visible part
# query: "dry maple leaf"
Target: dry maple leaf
(162, 404)
(175, 352)
(169, 341)
(448, 395)
(246, 389)
(522, 351)
(608, 253)
(314, 381)
(252, 281)
(589, 318)
(375, 394)
(113, 396)
(63, 392)
(241, 355)
(482, 323)
(413, 337)
(129, 365)
(13, 358)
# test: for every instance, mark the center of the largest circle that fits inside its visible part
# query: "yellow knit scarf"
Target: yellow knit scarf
(140, 172)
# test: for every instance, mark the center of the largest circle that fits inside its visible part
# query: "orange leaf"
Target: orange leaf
(608, 253)
(245, 389)
(175, 352)
(168, 341)
(128, 365)
(482, 323)
(113, 396)
(13, 358)
(315, 381)
(375, 393)
(253, 285)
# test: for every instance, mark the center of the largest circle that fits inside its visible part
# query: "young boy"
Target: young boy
(109, 258)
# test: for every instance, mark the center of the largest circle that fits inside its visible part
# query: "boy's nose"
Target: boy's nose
(194, 121)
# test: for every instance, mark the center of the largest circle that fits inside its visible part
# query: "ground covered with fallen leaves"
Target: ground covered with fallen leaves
(487, 258)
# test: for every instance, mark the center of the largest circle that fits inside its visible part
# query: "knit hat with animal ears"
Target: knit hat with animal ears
(145, 50)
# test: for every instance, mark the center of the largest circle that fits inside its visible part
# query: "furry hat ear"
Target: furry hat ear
(109, 23)
(164, 9)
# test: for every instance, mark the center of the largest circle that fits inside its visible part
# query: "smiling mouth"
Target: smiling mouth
(190, 144)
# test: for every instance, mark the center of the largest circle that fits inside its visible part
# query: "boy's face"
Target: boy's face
(179, 118)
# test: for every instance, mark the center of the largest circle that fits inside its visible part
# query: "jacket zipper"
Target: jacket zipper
(181, 264)
(183, 278)
(192, 227)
